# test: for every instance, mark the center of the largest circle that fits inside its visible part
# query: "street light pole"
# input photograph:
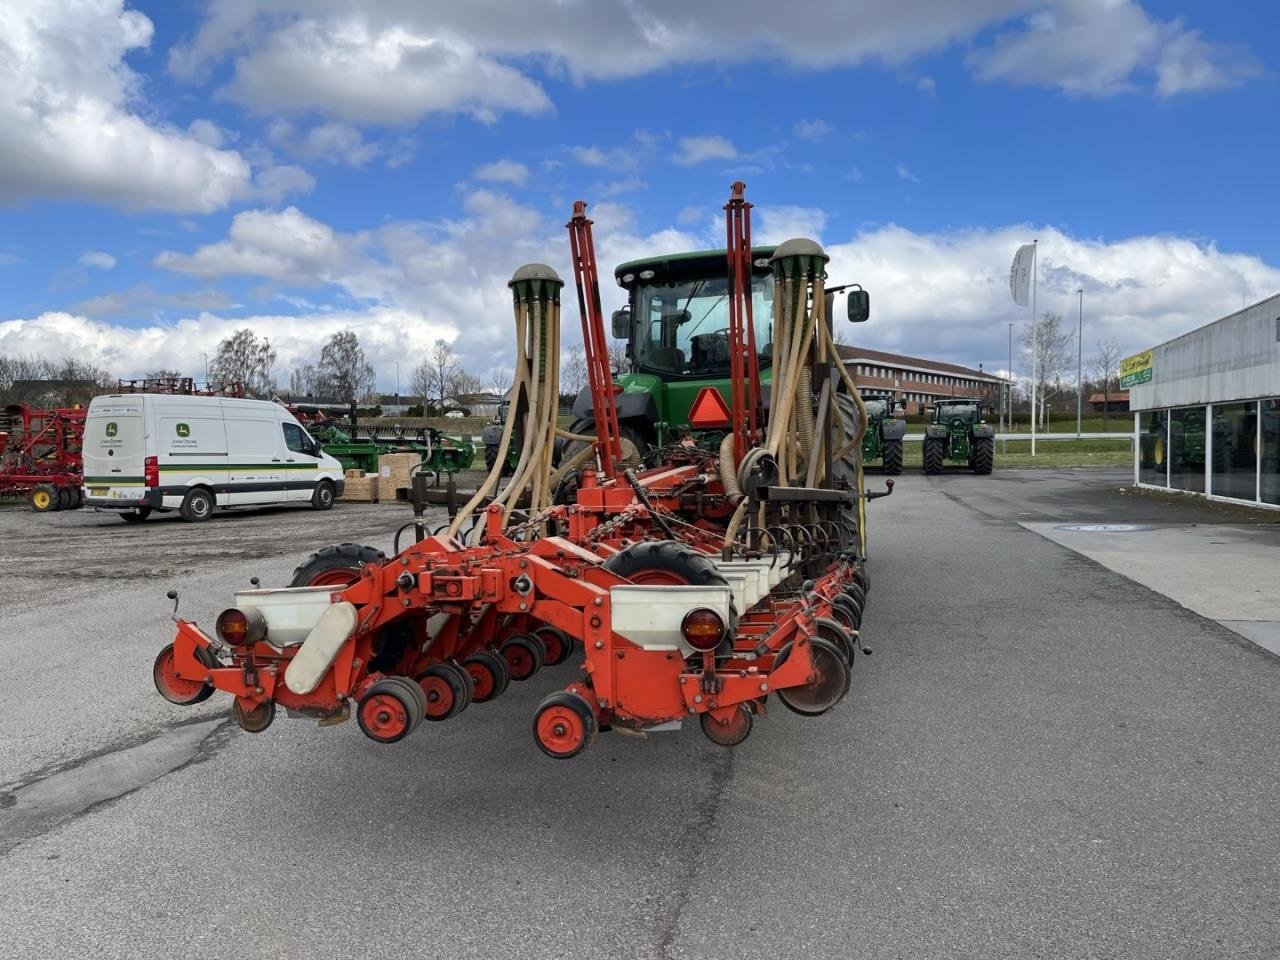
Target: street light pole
(206, 369)
(1080, 363)
(1008, 387)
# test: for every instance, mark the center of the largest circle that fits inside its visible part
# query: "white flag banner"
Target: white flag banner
(1020, 273)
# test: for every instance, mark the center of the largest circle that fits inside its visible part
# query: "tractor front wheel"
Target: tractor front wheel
(335, 566)
(984, 455)
(934, 454)
(892, 457)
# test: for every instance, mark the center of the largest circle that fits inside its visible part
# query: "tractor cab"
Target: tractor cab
(962, 412)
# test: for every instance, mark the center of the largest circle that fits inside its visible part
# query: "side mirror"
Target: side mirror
(859, 306)
(622, 324)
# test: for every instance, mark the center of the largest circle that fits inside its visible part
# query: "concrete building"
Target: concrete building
(1207, 408)
(915, 382)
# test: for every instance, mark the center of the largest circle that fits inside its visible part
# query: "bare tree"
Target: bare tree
(1053, 358)
(246, 358)
(444, 366)
(500, 380)
(573, 371)
(44, 382)
(464, 384)
(163, 375)
(343, 373)
(1105, 365)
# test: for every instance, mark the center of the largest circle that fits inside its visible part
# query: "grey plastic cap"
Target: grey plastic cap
(799, 247)
(535, 271)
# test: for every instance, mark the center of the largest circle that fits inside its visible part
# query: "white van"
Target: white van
(145, 452)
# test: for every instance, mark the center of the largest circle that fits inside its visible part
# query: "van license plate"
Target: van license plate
(99, 491)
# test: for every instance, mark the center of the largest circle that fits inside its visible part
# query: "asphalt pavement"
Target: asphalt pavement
(1041, 759)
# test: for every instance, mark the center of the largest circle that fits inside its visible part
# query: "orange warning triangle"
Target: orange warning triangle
(709, 409)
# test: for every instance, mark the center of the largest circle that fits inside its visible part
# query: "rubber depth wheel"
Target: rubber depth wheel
(836, 635)
(180, 690)
(893, 457)
(135, 516)
(524, 654)
(934, 454)
(861, 578)
(388, 711)
(828, 687)
(445, 691)
(984, 455)
(564, 725)
(855, 593)
(197, 505)
(490, 675)
(840, 614)
(557, 643)
(255, 720)
(728, 732)
(335, 566)
(44, 498)
(851, 608)
(323, 496)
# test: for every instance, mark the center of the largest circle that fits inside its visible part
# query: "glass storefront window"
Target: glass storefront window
(1235, 440)
(1271, 451)
(1153, 447)
(1186, 449)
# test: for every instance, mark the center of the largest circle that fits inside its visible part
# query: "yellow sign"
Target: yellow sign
(1135, 370)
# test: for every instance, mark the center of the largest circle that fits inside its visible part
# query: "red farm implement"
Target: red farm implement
(40, 456)
(727, 570)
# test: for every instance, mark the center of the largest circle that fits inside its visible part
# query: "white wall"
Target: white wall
(1235, 358)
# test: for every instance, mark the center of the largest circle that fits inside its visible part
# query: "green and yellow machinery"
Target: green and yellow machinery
(959, 433)
(883, 439)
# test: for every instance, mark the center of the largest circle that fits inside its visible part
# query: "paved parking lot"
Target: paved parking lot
(1042, 759)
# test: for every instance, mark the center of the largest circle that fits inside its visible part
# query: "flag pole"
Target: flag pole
(1035, 249)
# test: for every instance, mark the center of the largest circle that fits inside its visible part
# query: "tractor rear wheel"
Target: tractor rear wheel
(934, 454)
(335, 566)
(984, 455)
(669, 563)
(892, 457)
(490, 456)
(44, 498)
(564, 725)
(634, 446)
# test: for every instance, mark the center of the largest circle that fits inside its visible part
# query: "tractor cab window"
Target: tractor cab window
(968, 412)
(876, 406)
(682, 329)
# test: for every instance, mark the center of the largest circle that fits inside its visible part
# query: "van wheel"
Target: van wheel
(135, 516)
(322, 497)
(197, 505)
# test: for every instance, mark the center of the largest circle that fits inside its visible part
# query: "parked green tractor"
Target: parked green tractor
(883, 439)
(959, 433)
(676, 327)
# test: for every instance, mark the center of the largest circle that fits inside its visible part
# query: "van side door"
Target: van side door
(257, 459)
(301, 461)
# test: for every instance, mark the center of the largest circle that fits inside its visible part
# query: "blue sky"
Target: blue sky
(174, 171)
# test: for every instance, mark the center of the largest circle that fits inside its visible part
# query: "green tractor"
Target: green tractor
(959, 433)
(676, 327)
(883, 439)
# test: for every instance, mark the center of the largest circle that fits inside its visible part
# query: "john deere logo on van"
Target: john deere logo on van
(184, 430)
(112, 429)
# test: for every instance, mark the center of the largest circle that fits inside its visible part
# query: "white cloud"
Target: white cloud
(1105, 47)
(694, 150)
(774, 223)
(928, 86)
(69, 119)
(330, 142)
(98, 259)
(811, 129)
(366, 73)
(502, 171)
(274, 183)
(397, 60)
(617, 158)
(904, 173)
